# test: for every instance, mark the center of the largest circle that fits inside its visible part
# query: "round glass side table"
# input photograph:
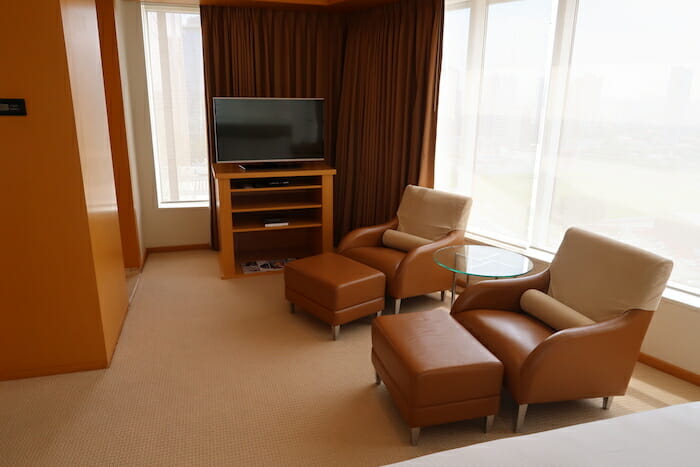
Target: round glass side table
(481, 261)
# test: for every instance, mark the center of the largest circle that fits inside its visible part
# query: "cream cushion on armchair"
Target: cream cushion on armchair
(594, 278)
(602, 278)
(432, 214)
(552, 312)
(402, 241)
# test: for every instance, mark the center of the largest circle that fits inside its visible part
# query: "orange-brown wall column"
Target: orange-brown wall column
(131, 246)
(62, 289)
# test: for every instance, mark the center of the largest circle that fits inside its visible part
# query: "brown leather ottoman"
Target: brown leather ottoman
(334, 288)
(435, 371)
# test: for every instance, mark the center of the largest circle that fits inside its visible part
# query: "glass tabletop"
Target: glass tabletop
(483, 261)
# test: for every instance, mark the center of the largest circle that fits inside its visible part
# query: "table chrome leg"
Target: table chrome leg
(454, 286)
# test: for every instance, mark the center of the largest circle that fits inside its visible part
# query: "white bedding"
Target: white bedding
(661, 437)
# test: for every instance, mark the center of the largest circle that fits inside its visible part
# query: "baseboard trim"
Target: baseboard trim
(53, 370)
(670, 368)
(166, 249)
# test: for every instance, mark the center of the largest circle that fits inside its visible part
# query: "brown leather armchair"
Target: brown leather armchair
(426, 221)
(614, 286)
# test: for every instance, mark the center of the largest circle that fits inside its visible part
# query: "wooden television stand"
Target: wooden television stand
(245, 197)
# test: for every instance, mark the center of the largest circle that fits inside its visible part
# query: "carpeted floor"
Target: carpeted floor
(212, 372)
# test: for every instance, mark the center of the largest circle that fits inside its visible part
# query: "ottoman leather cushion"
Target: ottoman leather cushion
(334, 281)
(434, 360)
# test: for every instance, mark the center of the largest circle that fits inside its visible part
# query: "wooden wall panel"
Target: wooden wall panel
(59, 237)
(48, 287)
(90, 112)
(128, 227)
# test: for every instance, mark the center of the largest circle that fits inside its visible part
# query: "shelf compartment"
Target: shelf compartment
(273, 206)
(297, 183)
(266, 201)
(255, 222)
(253, 246)
(278, 188)
(259, 226)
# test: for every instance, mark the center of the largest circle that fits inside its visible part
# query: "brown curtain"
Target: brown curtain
(262, 52)
(388, 109)
(378, 70)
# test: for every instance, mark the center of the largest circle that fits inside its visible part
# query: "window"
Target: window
(174, 63)
(576, 112)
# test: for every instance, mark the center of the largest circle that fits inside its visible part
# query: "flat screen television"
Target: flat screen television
(268, 129)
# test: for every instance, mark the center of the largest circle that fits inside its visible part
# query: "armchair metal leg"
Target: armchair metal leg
(489, 423)
(442, 295)
(397, 305)
(520, 418)
(377, 379)
(378, 314)
(292, 309)
(607, 402)
(335, 330)
(415, 434)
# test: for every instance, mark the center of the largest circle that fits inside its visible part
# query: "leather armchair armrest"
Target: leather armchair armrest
(587, 361)
(366, 236)
(418, 273)
(501, 294)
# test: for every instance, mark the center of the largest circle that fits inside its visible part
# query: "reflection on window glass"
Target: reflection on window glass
(176, 92)
(516, 60)
(450, 143)
(629, 158)
(623, 131)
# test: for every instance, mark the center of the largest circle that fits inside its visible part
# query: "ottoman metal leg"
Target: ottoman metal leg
(415, 434)
(607, 402)
(335, 330)
(442, 295)
(520, 418)
(397, 305)
(377, 379)
(489, 423)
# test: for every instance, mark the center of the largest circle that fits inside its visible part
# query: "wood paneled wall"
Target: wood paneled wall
(62, 291)
(131, 245)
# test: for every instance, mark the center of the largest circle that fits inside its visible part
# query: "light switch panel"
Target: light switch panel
(13, 107)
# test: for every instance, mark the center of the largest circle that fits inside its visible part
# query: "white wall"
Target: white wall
(159, 226)
(674, 335)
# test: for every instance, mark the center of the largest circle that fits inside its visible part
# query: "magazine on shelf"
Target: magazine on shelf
(264, 265)
(271, 264)
(249, 266)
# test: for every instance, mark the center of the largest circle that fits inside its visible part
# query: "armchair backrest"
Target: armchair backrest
(432, 214)
(602, 278)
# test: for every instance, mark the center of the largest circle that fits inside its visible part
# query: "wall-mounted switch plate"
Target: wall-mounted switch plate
(13, 107)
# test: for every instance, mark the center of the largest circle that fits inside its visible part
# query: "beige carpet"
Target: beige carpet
(212, 372)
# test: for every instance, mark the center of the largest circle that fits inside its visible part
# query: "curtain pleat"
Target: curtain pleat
(377, 70)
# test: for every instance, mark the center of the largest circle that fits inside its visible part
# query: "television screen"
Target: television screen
(268, 130)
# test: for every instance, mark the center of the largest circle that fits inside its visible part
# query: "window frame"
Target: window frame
(146, 7)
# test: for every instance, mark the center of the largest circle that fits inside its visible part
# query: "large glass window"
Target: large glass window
(173, 41)
(450, 145)
(515, 64)
(587, 114)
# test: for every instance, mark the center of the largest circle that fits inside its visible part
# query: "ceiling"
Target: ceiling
(335, 4)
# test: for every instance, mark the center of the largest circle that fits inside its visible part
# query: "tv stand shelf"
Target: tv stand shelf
(302, 194)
